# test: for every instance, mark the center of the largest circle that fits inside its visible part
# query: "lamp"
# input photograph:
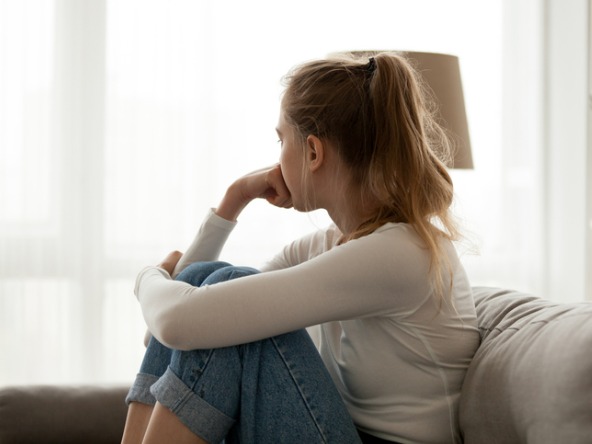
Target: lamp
(441, 74)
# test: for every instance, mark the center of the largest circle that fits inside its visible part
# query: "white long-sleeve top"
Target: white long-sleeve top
(396, 352)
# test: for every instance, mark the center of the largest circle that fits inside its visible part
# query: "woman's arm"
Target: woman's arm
(266, 183)
(207, 243)
(360, 278)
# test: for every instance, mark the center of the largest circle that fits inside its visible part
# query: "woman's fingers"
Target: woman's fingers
(265, 183)
(277, 193)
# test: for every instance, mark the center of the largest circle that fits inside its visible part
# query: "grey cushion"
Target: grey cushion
(61, 414)
(531, 379)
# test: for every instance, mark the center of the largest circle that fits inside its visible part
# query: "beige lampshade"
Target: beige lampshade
(441, 73)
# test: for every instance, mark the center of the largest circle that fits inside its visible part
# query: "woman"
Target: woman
(229, 358)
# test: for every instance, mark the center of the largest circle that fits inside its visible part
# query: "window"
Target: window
(122, 122)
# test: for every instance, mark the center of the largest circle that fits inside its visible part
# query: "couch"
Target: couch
(530, 382)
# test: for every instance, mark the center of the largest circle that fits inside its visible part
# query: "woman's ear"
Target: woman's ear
(315, 152)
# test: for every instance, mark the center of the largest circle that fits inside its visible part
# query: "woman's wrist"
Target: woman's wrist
(232, 204)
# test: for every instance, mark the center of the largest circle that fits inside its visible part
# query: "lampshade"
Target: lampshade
(441, 73)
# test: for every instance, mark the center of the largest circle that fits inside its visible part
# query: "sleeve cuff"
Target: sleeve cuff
(149, 271)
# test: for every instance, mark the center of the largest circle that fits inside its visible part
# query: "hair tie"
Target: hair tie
(371, 65)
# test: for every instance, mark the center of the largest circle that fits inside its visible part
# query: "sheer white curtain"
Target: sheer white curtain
(122, 122)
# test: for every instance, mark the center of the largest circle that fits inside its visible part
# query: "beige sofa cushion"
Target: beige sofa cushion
(531, 378)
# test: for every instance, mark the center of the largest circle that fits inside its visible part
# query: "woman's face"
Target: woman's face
(292, 162)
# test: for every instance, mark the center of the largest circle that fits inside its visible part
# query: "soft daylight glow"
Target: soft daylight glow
(183, 99)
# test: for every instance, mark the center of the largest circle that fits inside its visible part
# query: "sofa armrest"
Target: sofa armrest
(62, 414)
(530, 381)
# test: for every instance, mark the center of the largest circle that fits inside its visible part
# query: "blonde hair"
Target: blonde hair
(378, 115)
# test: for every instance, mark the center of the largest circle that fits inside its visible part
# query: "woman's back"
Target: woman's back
(400, 368)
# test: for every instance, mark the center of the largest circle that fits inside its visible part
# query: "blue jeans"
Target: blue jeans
(276, 390)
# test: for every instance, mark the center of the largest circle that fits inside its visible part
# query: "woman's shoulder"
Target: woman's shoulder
(397, 245)
(397, 236)
(305, 248)
(404, 235)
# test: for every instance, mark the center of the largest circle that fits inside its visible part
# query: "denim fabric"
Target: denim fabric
(275, 390)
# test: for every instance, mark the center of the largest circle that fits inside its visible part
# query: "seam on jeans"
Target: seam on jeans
(182, 401)
(201, 369)
(302, 395)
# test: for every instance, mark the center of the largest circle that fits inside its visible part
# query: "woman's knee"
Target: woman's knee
(228, 273)
(196, 273)
(156, 358)
(206, 273)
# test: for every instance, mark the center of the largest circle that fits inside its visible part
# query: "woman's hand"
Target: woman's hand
(170, 262)
(267, 183)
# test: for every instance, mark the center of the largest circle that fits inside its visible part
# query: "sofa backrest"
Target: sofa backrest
(62, 414)
(531, 378)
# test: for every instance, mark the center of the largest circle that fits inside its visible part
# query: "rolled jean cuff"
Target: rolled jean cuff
(140, 390)
(199, 416)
